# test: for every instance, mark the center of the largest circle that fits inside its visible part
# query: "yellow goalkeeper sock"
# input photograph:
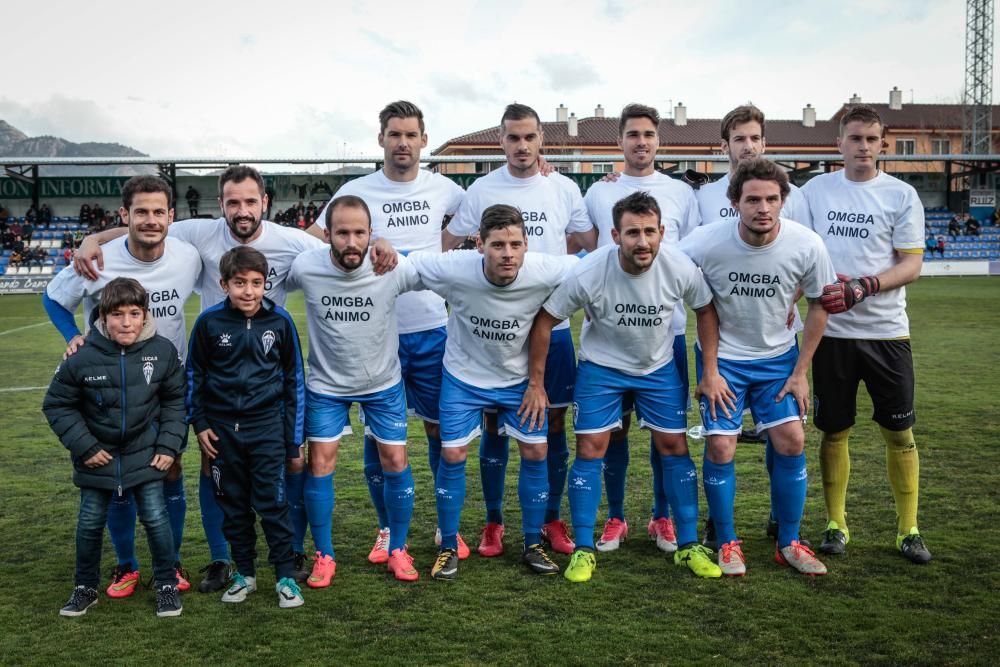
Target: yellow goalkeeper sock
(835, 466)
(903, 465)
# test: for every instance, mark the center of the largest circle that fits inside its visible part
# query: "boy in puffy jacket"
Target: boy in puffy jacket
(118, 406)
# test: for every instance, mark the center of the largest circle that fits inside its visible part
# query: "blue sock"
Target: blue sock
(294, 481)
(788, 494)
(121, 527)
(173, 494)
(433, 455)
(211, 519)
(532, 490)
(449, 497)
(556, 463)
(769, 464)
(493, 454)
(615, 470)
(317, 492)
(399, 506)
(661, 506)
(584, 497)
(680, 483)
(376, 480)
(719, 480)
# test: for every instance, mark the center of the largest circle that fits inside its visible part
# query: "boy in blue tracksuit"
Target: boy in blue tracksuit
(118, 406)
(247, 399)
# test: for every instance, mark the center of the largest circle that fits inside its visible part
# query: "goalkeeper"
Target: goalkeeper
(872, 225)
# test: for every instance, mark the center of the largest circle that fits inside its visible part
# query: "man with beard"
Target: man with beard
(243, 200)
(169, 270)
(351, 315)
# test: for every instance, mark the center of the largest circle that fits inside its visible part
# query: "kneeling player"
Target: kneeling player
(629, 292)
(494, 294)
(755, 266)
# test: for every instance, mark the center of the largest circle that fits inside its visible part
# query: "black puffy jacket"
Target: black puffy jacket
(128, 401)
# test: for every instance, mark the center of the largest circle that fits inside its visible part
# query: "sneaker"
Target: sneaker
(124, 581)
(80, 600)
(218, 574)
(239, 588)
(380, 552)
(835, 540)
(289, 594)
(698, 558)
(301, 565)
(800, 557)
(445, 567)
(538, 561)
(710, 540)
(463, 548)
(662, 530)
(557, 535)
(168, 601)
(731, 559)
(401, 565)
(581, 566)
(615, 532)
(912, 546)
(491, 540)
(182, 578)
(324, 567)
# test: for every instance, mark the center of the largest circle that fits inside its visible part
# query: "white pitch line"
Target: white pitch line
(9, 389)
(30, 326)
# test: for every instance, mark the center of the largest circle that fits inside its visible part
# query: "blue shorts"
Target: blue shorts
(462, 406)
(660, 401)
(383, 414)
(560, 369)
(681, 363)
(420, 357)
(756, 382)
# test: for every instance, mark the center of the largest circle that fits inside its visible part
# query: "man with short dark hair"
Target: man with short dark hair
(555, 219)
(872, 225)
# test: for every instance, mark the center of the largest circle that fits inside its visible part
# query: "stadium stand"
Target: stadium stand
(985, 246)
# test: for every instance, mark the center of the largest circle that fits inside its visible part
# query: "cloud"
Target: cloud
(73, 119)
(385, 43)
(456, 88)
(566, 72)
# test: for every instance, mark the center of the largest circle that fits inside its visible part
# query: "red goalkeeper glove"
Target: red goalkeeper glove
(847, 292)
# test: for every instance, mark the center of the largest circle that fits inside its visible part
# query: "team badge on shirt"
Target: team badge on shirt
(147, 371)
(268, 340)
(224, 340)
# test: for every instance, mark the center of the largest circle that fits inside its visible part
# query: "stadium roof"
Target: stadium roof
(594, 131)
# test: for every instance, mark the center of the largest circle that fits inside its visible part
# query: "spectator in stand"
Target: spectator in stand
(272, 197)
(38, 256)
(67, 241)
(77, 238)
(18, 244)
(940, 246)
(930, 244)
(955, 226)
(193, 197)
(4, 217)
(68, 256)
(971, 225)
(7, 240)
(16, 258)
(45, 214)
(85, 218)
(311, 211)
(27, 230)
(15, 228)
(31, 215)
(97, 212)
(995, 217)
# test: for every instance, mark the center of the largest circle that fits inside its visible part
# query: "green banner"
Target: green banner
(52, 188)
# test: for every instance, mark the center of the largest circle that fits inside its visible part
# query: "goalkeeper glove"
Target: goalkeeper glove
(847, 292)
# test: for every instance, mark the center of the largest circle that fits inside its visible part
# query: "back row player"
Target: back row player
(243, 201)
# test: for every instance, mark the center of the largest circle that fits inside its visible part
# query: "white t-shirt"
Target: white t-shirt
(351, 318)
(170, 280)
(755, 287)
(409, 215)
(861, 225)
(488, 327)
(280, 245)
(678, 213)
(715, 205)
(629, 328)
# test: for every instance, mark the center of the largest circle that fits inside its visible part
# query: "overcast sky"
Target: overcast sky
(308, 79)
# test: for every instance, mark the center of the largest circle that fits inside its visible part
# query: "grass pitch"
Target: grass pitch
(873, 607)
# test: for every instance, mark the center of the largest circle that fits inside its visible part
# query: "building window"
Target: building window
(603, 167)
(940, 146)
(906, 146)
